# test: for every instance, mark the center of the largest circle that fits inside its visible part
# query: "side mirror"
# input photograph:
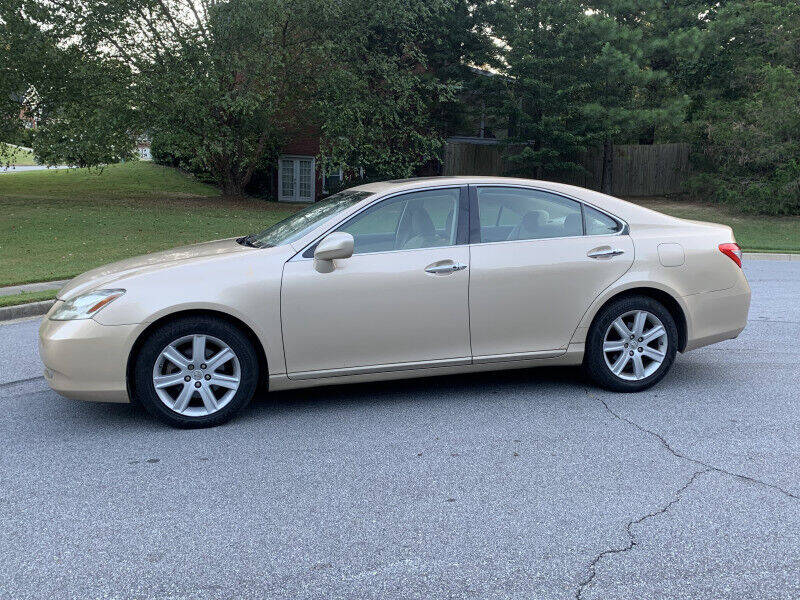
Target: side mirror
(338, 244)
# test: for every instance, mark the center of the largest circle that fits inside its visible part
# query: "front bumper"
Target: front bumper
(85, 360)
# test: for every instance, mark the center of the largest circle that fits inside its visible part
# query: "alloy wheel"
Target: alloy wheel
(196, 375)
(635, 345)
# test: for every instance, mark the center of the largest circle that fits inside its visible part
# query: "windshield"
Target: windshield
(300, 223)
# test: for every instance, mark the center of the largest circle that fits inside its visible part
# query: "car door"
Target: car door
(537, 261)
(399, 302)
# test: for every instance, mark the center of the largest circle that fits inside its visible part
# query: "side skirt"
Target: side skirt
(572, 356)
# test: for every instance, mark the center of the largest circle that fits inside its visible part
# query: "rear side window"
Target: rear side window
(508, 214)
(597, 223)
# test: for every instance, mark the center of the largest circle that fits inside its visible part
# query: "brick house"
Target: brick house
(298, 178)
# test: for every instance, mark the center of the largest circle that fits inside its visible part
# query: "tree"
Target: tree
(745, 117)
(223, 85)
(625, 99)
(577, 77)
(543, 65)
(223, 82)
(24, 49)
(396, 70)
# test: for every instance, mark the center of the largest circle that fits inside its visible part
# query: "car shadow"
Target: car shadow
(477, 387)
(435, 389)
(472, 388)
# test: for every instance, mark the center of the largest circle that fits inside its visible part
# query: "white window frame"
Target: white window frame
(296, 158)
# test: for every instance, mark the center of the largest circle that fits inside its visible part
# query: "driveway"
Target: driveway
(527, 484)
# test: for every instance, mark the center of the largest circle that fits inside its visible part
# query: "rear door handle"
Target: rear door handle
(605, 253)
(445, 268)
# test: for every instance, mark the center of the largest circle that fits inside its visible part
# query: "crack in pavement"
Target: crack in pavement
(707, 468)
(19, 381)
(696, 461)
(631, 536)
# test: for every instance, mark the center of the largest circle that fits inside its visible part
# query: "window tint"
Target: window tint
(520, 214)
(425, 219)
(599, 224)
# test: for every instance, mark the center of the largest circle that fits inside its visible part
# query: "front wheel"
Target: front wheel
(195, 372)
(631, 344)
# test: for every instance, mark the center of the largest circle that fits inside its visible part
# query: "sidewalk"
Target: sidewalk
(32, 287)
(770, 256)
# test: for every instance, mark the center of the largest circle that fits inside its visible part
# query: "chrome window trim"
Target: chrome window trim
(457, 186)
(624, 227)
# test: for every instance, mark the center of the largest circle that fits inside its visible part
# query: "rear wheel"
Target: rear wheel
(195, 372)
(631, 344)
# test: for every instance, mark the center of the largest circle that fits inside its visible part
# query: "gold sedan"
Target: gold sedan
(399, 279)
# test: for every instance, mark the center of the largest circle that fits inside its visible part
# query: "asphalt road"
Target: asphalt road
(527, 484)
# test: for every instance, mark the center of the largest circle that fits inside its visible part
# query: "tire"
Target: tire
(635, 361)
(197, 401)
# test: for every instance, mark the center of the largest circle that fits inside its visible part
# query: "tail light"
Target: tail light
(733, 252)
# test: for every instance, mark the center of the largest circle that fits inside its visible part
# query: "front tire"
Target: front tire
(631, 344)
(195, 371)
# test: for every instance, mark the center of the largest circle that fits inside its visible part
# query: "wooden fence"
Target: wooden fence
(637, 170)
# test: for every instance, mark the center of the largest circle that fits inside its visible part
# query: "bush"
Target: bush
(748, 150)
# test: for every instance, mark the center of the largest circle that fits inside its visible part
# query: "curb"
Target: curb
(20, 311)
(770, 256)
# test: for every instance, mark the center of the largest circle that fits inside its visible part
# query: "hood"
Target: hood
(106, 275)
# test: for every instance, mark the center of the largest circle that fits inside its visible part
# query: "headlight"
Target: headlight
(85, 306)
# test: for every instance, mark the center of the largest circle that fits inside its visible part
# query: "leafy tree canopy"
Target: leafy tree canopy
(223, 85)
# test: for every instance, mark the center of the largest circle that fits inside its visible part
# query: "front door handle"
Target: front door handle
(448, 267)
(605, 253)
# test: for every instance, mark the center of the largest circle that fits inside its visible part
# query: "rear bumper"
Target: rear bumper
(717, 316)
(85, 360)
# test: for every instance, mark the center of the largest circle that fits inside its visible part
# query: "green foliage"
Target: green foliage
(749, 149)
(16, 156)
(575, 78)
(745, 109)
(221, 87)
(392, 71)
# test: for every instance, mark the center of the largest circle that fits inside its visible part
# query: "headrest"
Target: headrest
(534, 220)
(572, 225)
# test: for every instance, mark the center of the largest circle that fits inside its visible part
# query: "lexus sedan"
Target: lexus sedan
(399, 279)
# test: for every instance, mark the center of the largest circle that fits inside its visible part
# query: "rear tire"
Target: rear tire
(206, 371)
(631, 344)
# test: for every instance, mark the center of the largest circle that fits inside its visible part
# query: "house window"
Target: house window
(296, 179)
(331, 180)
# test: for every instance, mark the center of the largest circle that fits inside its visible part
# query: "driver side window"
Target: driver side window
(424, 219)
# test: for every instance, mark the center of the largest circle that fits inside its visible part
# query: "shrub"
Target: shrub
(748, 150)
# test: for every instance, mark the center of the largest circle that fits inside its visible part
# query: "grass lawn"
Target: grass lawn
(753, 233)
(16, 156)
(57, 224)
(26, 297)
